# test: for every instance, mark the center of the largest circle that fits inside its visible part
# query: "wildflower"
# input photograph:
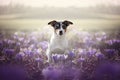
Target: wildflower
(100, 56)
(55, 58)
(19, 57)
(110, 53)
(9, 52)
(39, 59)
(80, 60)
(71, 54)
(44, 45)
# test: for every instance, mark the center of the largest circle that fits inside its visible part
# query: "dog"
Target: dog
(58, 42)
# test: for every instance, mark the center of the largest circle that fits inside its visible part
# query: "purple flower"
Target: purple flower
(110, 52)
(38, 59)
(37, 51)
(1, 43)
(11, 41)
(21, 39)
(71, 54)
(100, 56)
(62, 57)
(55, 58)
(44, 45)
(83, 52)
(110, 42)
(29, 52)
(80, 60)
(118, 41)
(92, 51)
(9, 52)
(98, 38)
(18, 43)
(58, 57)
(19, 57)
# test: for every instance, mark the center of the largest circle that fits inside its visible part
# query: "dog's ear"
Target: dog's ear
(67, 23)
(52, 23)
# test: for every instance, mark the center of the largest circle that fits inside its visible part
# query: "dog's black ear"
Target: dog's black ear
(52, 23)
(67, 23)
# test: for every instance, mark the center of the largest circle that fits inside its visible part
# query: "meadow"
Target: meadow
(94, 54)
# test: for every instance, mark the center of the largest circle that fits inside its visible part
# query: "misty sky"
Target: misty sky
(60, 3)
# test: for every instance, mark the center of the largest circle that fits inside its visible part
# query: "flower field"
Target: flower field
(94, 55)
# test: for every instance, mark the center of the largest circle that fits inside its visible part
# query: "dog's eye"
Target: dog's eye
(57, 26)
(64, 26)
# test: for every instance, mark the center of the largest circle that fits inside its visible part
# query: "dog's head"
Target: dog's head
(60, 27)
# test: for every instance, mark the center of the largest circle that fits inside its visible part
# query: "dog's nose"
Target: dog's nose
(61, 33)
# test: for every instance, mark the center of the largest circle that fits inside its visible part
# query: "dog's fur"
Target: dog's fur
(58, 42)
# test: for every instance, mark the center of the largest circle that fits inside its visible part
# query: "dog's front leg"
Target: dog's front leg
(48, 53)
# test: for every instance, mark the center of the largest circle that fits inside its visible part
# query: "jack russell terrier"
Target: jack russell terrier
(58, 42)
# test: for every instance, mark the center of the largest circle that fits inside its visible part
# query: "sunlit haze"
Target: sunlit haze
(60, 3)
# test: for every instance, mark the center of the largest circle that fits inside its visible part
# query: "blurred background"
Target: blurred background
(34, 14)
(94, 40)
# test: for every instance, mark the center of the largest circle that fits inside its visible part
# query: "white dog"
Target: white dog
(58, 43)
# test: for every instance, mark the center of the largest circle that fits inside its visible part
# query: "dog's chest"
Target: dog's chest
(58, 43)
